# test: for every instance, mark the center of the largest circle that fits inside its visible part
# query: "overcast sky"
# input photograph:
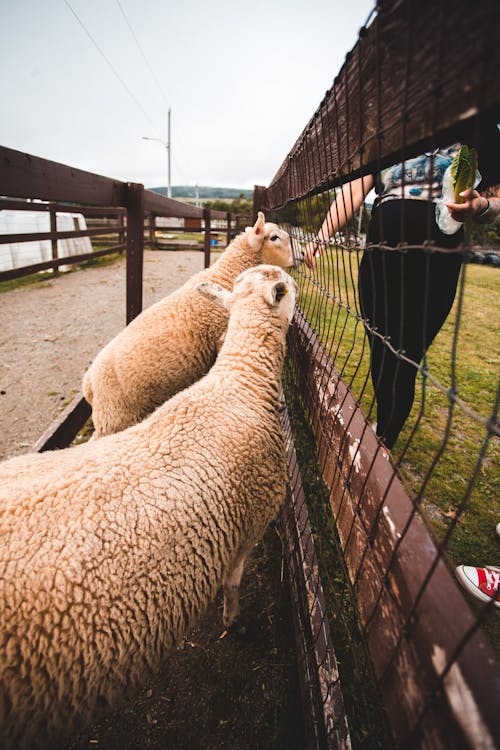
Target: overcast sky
(242, 80)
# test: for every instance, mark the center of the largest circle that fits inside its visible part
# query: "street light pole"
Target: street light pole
(168, 146)
(169, 149)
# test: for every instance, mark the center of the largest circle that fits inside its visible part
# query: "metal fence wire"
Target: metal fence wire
(392, 387)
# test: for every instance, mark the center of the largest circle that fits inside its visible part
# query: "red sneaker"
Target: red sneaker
(483, 583)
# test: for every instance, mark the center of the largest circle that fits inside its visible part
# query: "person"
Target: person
(405, 295)
(482, 583)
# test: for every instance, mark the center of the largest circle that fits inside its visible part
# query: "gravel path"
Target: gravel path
(52, 330)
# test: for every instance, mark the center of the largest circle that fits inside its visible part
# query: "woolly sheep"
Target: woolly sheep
(112, 549)
(174, 342)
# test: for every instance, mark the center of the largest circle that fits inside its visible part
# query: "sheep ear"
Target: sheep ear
(214, 292)
(256, 233)
(275, 293)
(260, 224)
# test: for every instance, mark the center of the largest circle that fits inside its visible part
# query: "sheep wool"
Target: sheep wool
(174, 342)
(112, 549)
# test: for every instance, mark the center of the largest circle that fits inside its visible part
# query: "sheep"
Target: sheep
(112, 549)
(174, 342)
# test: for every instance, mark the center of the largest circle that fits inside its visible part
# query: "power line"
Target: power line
(150, 68)
(143, 55)
(109, 63)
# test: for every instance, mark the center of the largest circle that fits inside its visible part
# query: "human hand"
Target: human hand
(310, 253)
(472, 207)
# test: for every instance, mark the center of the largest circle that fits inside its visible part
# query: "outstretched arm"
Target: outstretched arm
(343, 208)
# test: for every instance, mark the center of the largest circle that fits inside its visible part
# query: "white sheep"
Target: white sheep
(174, 342)
(112, 549)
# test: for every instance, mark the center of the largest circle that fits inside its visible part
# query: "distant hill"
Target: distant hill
(204, 193)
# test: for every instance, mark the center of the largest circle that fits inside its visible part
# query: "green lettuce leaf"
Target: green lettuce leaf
(463, 171)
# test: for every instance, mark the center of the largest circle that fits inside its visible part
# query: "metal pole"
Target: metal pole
(169, 149)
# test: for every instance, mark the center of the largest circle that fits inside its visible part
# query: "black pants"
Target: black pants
(406, 296)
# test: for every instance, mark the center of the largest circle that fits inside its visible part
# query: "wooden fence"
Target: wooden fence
(125, 211)
(35, 184)
(422, 74)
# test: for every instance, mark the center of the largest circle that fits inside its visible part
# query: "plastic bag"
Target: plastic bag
(444, 219)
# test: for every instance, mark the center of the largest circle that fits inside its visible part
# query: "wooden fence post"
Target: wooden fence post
(228, 228)
(121, 232)
(135, 249)
(259, 194)
(152, 231)
(53, 241)
(206, 216)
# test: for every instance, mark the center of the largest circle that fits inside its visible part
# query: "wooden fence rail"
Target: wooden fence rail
(29, 183)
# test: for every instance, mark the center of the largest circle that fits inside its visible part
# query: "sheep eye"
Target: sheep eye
(280, 291)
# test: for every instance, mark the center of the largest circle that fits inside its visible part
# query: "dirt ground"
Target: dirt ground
(239, 691)
(221, 692)
(52, 330)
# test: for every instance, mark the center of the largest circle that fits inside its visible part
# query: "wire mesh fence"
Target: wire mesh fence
(392, 385)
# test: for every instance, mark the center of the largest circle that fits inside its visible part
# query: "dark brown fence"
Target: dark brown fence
(29, 183)
(125, 210)
(375, 534)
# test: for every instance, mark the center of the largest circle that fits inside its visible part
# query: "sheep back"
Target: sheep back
(173, 343)
(112, 549)
(169, 346)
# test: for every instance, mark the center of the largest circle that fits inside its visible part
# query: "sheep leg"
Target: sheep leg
(231, 586)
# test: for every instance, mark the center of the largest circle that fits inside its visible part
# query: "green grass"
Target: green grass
(476, 382)
(444, 454)
(34, 279)
(105, 260)
(362, 700)
(194, 236)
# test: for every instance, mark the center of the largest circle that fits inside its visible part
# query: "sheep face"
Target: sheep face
(269, 282)
(277, 247)
(273, 243)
